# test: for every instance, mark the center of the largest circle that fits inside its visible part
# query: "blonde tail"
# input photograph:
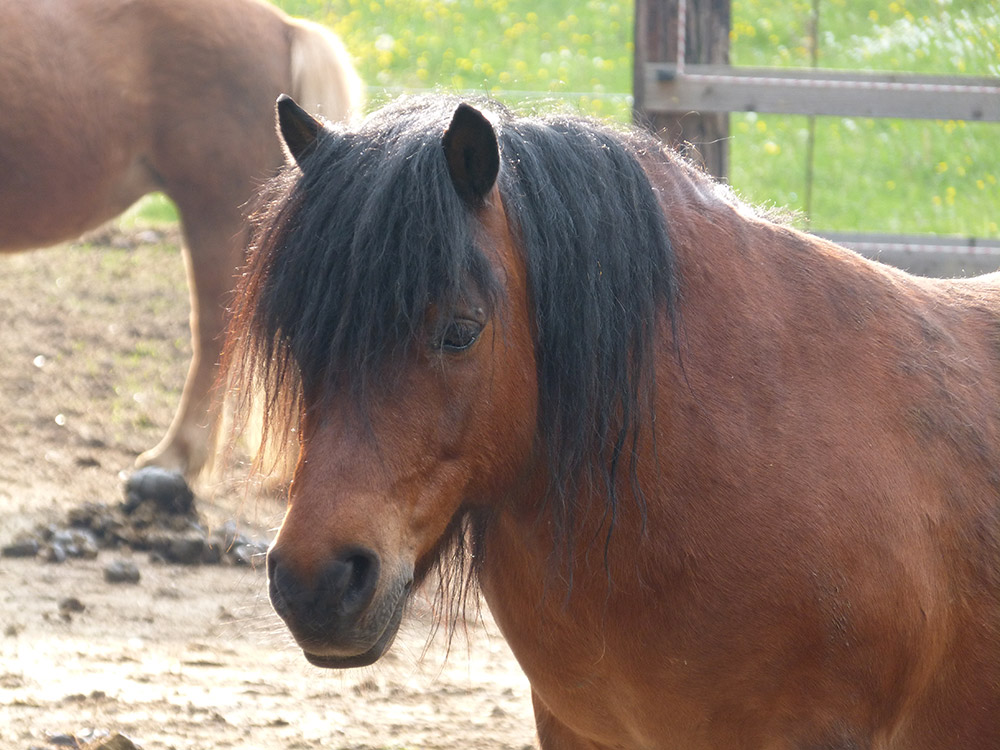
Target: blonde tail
(324, 80)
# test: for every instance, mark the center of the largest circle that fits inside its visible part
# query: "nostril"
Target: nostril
(363, 578)
(279, 584)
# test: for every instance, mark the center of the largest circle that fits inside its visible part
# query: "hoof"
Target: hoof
(165, 488)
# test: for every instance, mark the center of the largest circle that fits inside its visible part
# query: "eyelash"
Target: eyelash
(456, 335)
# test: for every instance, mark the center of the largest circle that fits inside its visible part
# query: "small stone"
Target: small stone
(166, 488)
(115, 741)
(70, 605)
(76, 542)
(148, 237)
(88, 549)
(121, 571)
(21, 548)
(54, 553)
(250, 554)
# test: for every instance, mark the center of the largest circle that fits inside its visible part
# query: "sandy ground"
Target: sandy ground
(93, 350)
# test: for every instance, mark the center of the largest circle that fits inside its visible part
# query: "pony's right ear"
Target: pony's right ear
(299, 130)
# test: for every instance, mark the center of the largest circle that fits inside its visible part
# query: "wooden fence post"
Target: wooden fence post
(704, 137)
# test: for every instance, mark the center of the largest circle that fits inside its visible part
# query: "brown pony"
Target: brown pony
(105, 101)
(722, 484)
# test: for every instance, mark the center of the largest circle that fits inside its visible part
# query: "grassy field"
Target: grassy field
(874, 175)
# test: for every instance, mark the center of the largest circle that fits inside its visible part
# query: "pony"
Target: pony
(107, 101)
(722, 484)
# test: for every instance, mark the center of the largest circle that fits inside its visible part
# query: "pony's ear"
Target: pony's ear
(470, 146)
(298, 128)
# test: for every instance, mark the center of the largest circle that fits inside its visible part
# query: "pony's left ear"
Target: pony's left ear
(473, 155)
(299, 130)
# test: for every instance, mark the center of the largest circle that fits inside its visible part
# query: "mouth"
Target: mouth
(331, 658)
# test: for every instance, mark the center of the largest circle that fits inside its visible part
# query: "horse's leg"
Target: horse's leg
(214, 241)
(553, 734)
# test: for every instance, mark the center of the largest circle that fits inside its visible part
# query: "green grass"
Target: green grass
(876, 175)
(572, 51)
(153, 210)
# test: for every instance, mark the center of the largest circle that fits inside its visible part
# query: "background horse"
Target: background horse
(722, 484)
(104, 102)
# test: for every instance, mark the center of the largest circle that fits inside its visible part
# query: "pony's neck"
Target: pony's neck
(755, 298)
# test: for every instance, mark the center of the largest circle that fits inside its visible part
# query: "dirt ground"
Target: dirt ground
(93, 351)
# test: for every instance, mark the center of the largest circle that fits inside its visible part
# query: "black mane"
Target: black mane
(350, 253)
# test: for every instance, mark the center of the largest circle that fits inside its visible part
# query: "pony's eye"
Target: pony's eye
(456, 335)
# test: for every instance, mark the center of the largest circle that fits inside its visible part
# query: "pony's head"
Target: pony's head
(453, 308)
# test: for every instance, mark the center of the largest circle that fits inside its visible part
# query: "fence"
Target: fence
(678, 86)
